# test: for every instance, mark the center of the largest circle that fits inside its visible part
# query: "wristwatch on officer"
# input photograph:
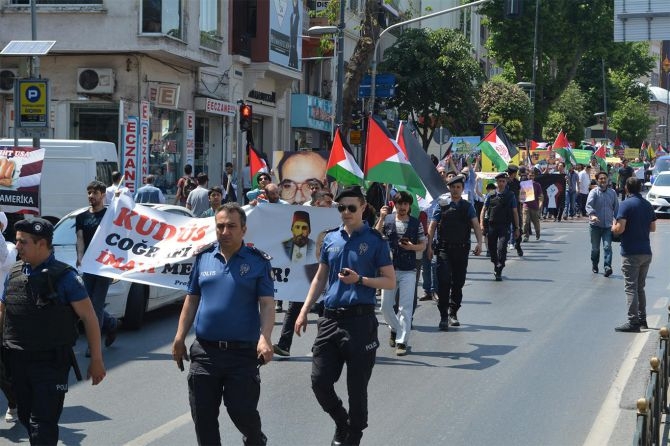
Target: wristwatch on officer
(360, 280)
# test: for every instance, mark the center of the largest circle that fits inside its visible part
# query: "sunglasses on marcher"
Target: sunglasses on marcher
(351, 208)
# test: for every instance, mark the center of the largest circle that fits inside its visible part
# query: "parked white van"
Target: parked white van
(69, 166)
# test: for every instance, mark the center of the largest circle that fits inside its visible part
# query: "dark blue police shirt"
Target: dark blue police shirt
(70, 287)
(229, 293)
(437, 211)
(364, 252)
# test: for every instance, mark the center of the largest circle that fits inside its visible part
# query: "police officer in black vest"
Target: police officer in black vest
(38, 312)
(501, 207)
(453, 222)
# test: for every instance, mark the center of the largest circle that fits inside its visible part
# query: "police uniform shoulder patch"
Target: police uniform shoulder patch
(204, 248)
(258, 252)
(377, 233)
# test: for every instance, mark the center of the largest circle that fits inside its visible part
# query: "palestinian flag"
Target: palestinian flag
(600, 155)
(617, 142)
(341, 164)
(498, 148)
(562, 148)
(256, 164)
(385, 161)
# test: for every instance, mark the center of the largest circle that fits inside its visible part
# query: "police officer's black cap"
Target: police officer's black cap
(502, 175)
(512, 168)
(37, 226)
(456, 179)
(523, 170)
(352, 191)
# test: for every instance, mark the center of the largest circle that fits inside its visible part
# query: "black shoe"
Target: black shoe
(392, 339)
(628, 327)
(280, 351)
(453, 320)
(498, 274)
(643, 323)
(608, 271)
(444, 324)
(426, 296)
(594, 268)
(341, 431)
(519, 251)
(401, 349)
(111, 334)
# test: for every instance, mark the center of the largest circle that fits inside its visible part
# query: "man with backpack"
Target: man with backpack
(185, 185)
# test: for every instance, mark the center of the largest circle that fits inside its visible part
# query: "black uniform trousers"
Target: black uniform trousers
(498, 237)
(288, 327)
(39, 381)
(233, 375)
(452, 265)
(352, 339)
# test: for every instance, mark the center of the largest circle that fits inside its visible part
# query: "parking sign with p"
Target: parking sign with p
(33, 103)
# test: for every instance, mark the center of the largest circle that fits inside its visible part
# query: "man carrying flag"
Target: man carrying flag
(497, 147)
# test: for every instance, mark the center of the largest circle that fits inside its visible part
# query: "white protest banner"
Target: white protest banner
(141, 244)
(20, 178)
(144, 245)
(279, 230)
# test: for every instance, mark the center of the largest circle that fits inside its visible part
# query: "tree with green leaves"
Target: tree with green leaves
(632, 120)
(437, 80)
(568, 114)
(507, 104)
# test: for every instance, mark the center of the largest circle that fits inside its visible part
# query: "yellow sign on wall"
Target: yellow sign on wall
(33, 103)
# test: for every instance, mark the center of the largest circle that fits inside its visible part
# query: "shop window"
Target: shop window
(210, 24)
(162, 17)
(165, 148)
(96, 122)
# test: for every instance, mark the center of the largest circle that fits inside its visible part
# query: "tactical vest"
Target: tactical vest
(403, 259)
(36, 319)
(500, 210)
(454, 227)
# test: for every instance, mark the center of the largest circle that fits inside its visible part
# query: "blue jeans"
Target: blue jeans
(634, 269)
(570, 203)
(429, 280)
(599, 234)
(96, 287)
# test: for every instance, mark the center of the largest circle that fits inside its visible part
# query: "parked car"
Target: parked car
(126, 300)
(659, 194)
(662, 164)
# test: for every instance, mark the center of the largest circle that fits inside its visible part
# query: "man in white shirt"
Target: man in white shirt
(115, 190)
(583, 187)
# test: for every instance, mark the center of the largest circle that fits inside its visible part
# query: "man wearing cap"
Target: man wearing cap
(355, 261)
(406, 237)
(38, 313)
(501, 207)
(452, 224)
(86, 224)
(299, 247)
(514, 185)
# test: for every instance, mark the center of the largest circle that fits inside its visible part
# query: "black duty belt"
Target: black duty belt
(344, 312)
(228, 345)
(453, 245)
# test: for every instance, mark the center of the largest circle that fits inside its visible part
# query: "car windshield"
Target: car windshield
(64, 232)
(662, 165)
(662, 180)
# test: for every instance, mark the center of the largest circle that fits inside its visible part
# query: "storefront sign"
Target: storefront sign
(285, 28)
(129, 153)
(167, 96)
(215, 106)
(261, 96)
(310, 112)
(143, 148)
(190, 137)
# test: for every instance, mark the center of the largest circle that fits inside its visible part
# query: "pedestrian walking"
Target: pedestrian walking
(635, 219)
(231, 291)
(355, 261)
(601, 206)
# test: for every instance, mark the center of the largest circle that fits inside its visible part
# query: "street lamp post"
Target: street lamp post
(531, 92)
(396, 25)
(339, 51)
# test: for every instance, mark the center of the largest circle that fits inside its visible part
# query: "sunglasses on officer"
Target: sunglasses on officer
(351, 208)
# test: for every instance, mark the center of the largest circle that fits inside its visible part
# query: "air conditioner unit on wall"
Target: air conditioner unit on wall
(7, 80)
(95, 80)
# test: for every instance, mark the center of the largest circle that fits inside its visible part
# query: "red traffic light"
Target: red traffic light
(246, 114)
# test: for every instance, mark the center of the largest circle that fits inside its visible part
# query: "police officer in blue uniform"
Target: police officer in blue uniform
(501, 209)
(229, 283)
(43, 300)
(453, 222)
(355, 260)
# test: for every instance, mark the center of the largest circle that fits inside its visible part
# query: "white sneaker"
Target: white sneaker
(10, 416)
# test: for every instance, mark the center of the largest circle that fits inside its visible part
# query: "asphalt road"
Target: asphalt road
(534, 362)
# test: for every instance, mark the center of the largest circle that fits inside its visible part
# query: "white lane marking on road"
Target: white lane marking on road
(661, 302)
(609, 412)
(161, 431)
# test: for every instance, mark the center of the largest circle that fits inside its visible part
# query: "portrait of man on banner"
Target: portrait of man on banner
(300, 174)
